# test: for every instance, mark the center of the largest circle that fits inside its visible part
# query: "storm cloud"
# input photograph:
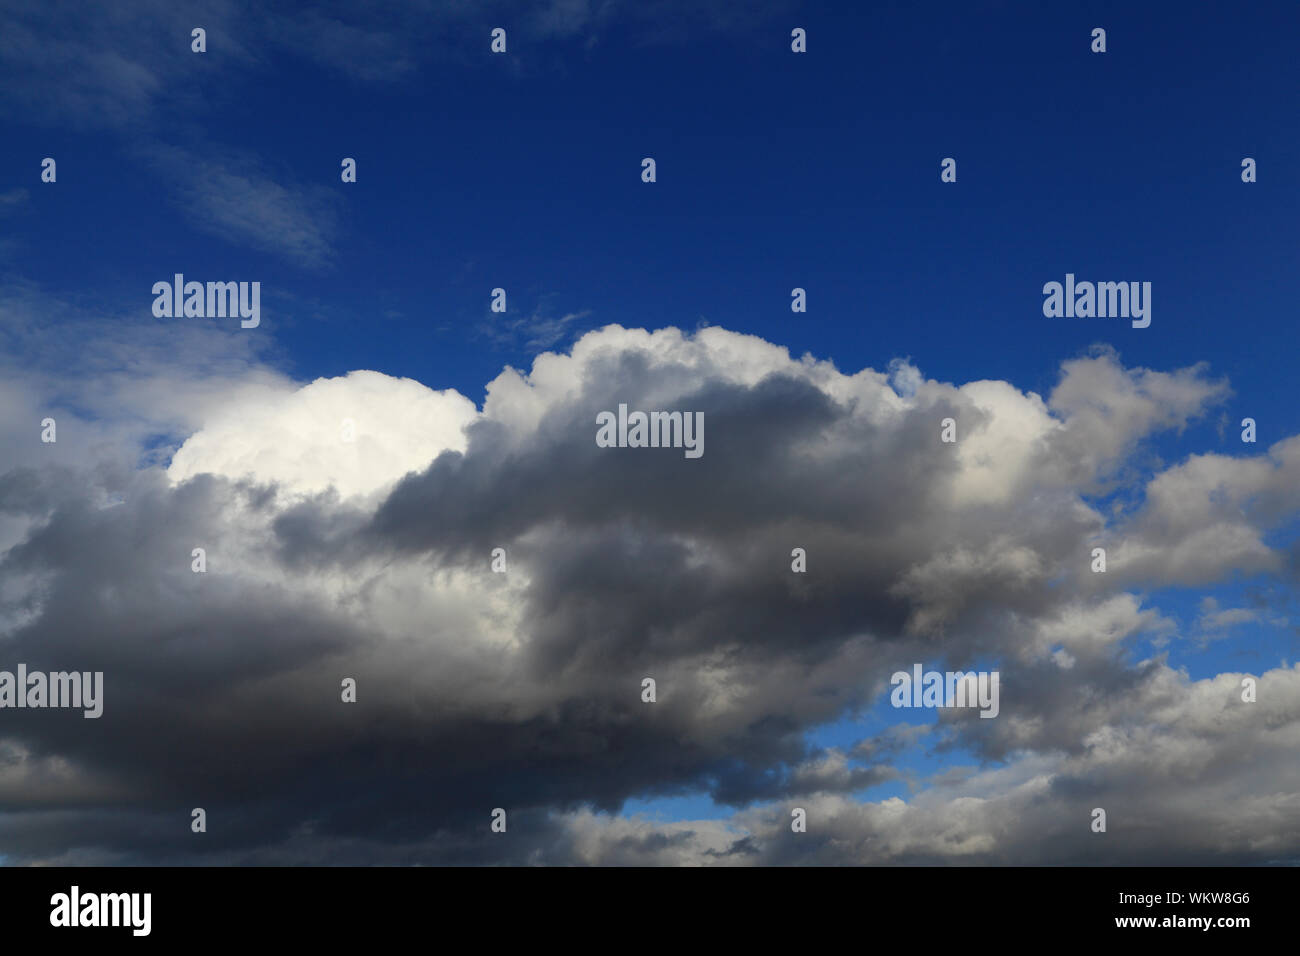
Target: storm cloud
(371, 559)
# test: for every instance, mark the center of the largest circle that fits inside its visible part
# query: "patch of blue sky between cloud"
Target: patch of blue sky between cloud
(921, 756)
(916, 754)
(1246, 625)
(674, 809)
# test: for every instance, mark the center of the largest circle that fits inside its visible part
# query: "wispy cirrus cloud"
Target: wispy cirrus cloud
(109, 66)
(12, 199)
(540, 329)
(233, 196)
(124, 66)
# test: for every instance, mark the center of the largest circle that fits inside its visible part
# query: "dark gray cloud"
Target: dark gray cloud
(523, 690)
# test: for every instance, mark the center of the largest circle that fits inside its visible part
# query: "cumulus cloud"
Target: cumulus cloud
(372, 560)
(355, 434)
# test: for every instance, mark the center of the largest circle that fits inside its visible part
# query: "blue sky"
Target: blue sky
(774, 170)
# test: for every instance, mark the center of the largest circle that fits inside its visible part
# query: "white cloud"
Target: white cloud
(297, 440)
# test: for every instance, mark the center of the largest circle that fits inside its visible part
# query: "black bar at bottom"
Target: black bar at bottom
(624, 906)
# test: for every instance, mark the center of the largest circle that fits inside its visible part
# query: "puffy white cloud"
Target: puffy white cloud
(297, 440)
